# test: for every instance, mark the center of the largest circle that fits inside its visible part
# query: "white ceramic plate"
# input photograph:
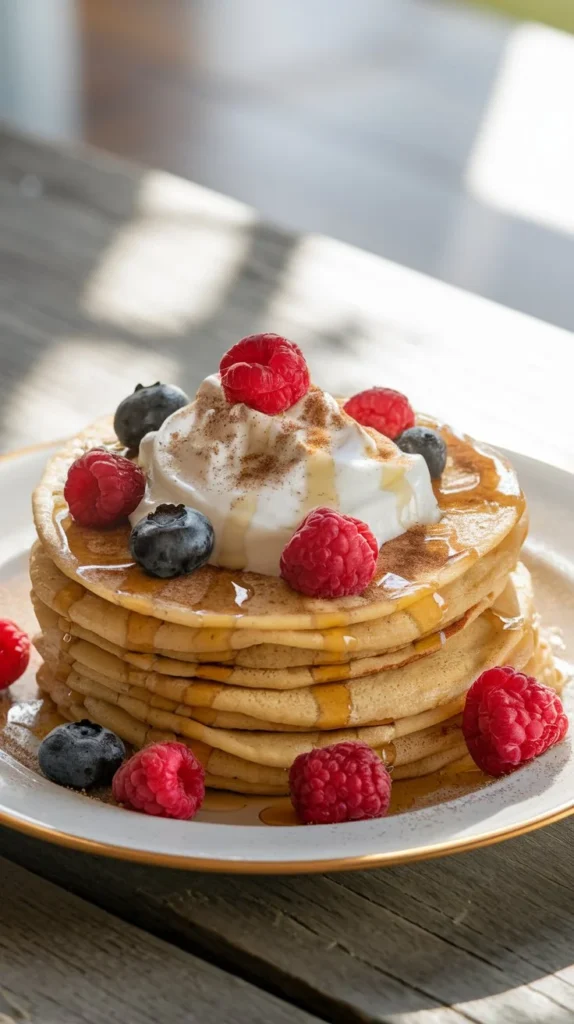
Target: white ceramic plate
(231, 835)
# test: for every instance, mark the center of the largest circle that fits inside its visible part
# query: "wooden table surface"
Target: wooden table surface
(110, 274)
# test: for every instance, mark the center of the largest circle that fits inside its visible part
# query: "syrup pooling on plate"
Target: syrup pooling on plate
(281, 812)
(224, 802)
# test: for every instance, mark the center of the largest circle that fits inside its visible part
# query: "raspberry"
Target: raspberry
(165, 779)
(266, 372)
(388, 411)
(330, 555)
(14, 652)
(102, 488)
(344, 782)
(509, 718)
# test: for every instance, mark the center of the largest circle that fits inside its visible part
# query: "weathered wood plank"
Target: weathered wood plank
(109, 275)
(485, 937)
(64, 961)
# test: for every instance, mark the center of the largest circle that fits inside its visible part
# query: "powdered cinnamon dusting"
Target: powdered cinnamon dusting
(317, 412)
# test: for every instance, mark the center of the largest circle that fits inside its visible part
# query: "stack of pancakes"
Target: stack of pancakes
(249, 674)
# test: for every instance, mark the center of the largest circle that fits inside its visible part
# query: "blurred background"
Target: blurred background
(437, 134)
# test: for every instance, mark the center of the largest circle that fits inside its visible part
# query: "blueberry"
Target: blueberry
(146, 410)
(172, 541)
(426, 442)
(81, 755)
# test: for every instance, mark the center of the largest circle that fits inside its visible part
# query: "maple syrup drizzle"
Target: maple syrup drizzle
(69, 595)
(204, 694)
(321, 481)
(330, 673)
(201, 750)
(338, 640)
(207, 716)
(137, 582)
(141, 632)
(429, 612)
(388, 754)
(429, 644)
(394, 479)
(217, 673)
(333, 706)
(233, 550)
(477, 477)
(223, 591)
(329, 620)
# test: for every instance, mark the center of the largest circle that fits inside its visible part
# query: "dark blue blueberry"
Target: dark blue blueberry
(172, 541)
(146, 410)
(426, 442)
(81, 755)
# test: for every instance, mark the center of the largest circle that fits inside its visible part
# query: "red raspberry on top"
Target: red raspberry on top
(387, 411)
(165, 779)
(509, 718)
(266, 372)
(344, 782)
(330, 555)
(103, 488)
(14, 652)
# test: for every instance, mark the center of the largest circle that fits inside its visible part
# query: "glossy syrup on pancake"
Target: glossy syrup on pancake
(478, 494)
(279, 649)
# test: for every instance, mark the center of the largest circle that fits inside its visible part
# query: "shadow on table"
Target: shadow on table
(484, 931)
(110, 276)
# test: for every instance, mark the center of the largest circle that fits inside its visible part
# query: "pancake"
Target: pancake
(478, 494)
(339, 709)
(255, 743)
(120, 691)
(395, 693)
(219, 760)
(225, 771)
(132, 631)
(148, 708)
(249, 674)
(92, 651)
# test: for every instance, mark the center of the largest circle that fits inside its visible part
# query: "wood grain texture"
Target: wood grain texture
(110, 275)
(484, 937)
(64, 961)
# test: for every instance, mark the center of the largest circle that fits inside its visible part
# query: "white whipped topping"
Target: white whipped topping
(256, 477)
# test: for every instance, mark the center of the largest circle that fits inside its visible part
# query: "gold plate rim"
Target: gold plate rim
(214, 865)
(364, 862)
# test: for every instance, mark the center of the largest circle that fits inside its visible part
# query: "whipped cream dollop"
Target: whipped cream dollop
(256, 476)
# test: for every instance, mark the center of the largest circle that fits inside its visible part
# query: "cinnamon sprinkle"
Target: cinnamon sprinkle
(318, 438)
(317, 411)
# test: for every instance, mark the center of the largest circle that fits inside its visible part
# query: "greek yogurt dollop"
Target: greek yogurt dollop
(256, 477)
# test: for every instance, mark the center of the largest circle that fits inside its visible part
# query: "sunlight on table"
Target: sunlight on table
(170, 266)
(523, 159)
